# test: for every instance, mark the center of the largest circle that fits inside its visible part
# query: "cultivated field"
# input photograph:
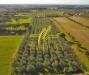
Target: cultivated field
(82, 20)
(8, 46)
(44, 41)
(45, 50)
(79, 32)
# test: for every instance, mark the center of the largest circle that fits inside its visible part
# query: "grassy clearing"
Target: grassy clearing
(8, 46)
(77, 31)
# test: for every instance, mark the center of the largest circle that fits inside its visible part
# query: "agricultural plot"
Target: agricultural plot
(45, 51)
(8, 46)
(82, 20)
(14, 27)
(41, 13)
(79, 32)
(54, 43)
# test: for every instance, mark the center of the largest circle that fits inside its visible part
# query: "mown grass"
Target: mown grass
(8, 46)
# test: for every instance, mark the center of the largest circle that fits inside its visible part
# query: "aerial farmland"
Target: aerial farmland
(44, 40)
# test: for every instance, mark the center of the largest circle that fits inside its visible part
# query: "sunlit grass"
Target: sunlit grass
(8, 46)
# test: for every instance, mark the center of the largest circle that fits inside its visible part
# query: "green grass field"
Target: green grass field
(8, 46)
